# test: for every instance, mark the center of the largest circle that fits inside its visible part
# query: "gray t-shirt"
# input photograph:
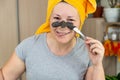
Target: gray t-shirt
(42, 64)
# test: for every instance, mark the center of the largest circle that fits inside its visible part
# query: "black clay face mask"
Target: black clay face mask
(70, 25)
(63, 24)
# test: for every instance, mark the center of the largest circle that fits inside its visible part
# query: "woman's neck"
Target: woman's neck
(58, 48)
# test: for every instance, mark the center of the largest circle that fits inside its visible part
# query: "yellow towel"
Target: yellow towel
(84, 8)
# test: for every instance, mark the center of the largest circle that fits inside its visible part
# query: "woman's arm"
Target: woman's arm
(95, 73)
(13, 68)
(1, 75)
(96, 53)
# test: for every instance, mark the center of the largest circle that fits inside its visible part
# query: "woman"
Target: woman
(55, 52)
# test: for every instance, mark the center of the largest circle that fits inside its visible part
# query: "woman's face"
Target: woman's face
(67, 13)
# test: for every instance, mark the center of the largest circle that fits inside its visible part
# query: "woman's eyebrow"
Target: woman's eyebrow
(60, 15)
(71, 16)
(57, 14)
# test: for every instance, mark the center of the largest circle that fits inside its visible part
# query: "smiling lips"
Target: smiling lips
(61, 33)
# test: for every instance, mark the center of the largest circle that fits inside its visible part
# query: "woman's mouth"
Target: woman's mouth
(61, 33)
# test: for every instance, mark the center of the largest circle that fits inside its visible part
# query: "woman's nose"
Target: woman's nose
(63, 24)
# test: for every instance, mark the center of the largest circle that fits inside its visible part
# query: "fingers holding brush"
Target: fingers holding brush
(96, 49)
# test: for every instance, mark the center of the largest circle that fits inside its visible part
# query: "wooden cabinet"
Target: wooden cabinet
(19, 19)
(8, 29)
(32, 13)
(94, 27)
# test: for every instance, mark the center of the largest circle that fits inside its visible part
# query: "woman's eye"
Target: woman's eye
(71, 20)
(57, 18)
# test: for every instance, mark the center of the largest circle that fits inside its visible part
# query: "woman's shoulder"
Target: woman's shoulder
(29, 41)
(27, 45)
(33, 38)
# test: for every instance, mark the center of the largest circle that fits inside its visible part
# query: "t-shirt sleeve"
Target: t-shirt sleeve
(23, 48)
(20, 51)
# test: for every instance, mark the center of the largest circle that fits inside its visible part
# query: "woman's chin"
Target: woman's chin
(63, 39)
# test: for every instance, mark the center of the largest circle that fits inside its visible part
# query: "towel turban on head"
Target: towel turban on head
(84, 7)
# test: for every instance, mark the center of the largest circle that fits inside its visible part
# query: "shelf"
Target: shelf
(117, 24)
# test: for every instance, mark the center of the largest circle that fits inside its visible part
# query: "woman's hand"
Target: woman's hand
(96, 50)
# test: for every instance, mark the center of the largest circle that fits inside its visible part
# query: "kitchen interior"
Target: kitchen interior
(20, 19)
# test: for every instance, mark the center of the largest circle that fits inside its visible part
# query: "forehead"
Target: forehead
(65, 8)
